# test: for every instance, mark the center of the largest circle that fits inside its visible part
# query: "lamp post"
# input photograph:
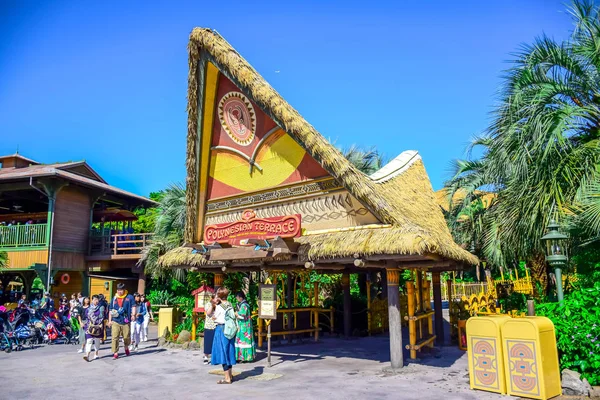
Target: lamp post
(556, 253)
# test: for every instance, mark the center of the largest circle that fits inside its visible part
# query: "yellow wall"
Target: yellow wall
(26, 259)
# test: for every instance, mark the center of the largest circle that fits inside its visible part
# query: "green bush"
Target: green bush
(577, 324)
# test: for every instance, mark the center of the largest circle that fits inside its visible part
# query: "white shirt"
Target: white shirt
(219, 314)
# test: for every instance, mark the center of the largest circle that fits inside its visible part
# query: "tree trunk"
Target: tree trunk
(539, 274)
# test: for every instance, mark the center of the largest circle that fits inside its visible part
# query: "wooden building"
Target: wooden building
(267, 192)
(64, 223)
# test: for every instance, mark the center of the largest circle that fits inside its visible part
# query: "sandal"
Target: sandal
(223, 382)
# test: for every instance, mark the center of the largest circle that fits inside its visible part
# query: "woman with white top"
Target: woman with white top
(209, 328)
(223, 349)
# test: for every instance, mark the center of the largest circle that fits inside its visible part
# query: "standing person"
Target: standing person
(73, 302)
(223, 349)
(94, 328)
(138, 322)
(104, 304)
(209, 327)
(244, 341)
(83, 318)
(80, 298)
(147, 318)
(48, 303)
(22, 301)
(122, 308)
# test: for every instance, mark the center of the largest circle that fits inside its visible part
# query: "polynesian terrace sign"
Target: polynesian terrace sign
(250, 227)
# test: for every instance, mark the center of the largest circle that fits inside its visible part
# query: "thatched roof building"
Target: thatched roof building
(392, 214)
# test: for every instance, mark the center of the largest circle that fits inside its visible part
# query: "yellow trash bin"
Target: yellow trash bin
(531, 358)
(484, 346)
(166, 319)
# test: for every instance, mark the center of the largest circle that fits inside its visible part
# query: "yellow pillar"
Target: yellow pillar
(412, 329)
(219, 280)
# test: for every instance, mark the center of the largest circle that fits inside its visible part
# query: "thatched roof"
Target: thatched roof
(399, 195)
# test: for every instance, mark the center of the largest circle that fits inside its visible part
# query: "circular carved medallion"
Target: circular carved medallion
(237, 117)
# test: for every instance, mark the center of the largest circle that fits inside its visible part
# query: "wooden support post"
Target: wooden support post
(412, 329)
(260, 330)
(395, 327)
(331, 321)
(289, 283)
(194, 325)
(347, 305)
(419, 300)
(141, 288)
(316, 295)
(316, 324)
(369, 316)
(437, 307)
(218, 280)
(427, 307)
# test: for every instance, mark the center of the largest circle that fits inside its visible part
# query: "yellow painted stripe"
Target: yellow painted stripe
(210, 90)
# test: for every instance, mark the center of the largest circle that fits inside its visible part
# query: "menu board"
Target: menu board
(267, 301)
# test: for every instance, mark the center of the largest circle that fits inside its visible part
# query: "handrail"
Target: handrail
(27, 235)
(119, 243)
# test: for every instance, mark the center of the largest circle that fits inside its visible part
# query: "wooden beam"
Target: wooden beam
(361, 263)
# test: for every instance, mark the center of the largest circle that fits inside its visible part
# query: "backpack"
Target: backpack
(231, 328)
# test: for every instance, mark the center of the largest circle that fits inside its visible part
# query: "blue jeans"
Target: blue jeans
(227, 367)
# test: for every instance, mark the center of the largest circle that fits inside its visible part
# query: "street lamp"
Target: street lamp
(556, 253)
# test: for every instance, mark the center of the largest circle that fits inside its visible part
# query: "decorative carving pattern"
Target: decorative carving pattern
(393, 277)
(335, 215)
(485, 363)
(237, 117)
(278, 194)
(522, 367)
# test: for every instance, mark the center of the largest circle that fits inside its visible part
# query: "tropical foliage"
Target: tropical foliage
(366, 160)
(168, 231)
(540, 153)
(577, 324)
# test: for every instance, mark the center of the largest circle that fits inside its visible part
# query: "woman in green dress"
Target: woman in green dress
(244, 341)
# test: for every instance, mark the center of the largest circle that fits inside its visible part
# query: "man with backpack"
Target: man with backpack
(122, 312)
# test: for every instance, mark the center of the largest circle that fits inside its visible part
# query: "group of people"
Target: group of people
(128, 317)
(228, 333)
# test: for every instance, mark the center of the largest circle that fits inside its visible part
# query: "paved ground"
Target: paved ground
(332, 369)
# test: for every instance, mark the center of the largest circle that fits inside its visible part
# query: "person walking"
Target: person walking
(122, 308)
(138, 322)
(133, 317)
(104, 304)
(147, 318)
(83, 317)
(94, 328)
(244, 341)
(80, 298)
(209, 327)
(73, 302)
(223, 348)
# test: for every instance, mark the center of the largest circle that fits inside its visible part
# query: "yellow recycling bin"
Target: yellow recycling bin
(166, 319)
(531, 358)
(484, 346)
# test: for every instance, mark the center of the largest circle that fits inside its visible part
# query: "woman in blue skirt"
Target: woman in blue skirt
(223, 349)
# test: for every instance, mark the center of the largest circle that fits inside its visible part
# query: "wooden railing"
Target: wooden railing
(29, 235)
(119, 243)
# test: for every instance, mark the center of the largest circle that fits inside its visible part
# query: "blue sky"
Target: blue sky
(106, 81)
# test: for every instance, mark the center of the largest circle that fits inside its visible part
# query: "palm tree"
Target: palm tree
(365, 160)
(168, 232)
(542, 146)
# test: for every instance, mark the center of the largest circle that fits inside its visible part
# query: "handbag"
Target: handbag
(94, 330)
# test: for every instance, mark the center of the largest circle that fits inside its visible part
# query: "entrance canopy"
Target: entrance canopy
(266, 190)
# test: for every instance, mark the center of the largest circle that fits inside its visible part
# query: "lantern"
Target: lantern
(556, 253)
(203, 294)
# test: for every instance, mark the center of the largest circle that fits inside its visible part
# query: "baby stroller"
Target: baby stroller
(6, 342)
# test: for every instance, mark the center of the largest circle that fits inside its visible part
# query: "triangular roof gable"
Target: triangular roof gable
(210, 54)
(82, 168)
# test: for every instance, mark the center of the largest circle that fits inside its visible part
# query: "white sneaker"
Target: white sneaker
(95, 356)
(79, 351)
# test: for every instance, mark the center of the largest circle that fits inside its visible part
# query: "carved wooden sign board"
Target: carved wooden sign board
(250, 227)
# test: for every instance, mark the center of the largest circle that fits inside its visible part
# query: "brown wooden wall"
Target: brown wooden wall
(75, 285)
(68, 260)
(26, 259)
(72, 213)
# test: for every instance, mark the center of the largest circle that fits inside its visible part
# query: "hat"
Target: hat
(47, 293)
(120, 286)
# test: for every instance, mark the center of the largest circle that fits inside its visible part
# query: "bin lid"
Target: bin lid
(526, 327)
(488, 325)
